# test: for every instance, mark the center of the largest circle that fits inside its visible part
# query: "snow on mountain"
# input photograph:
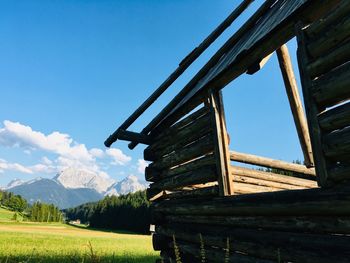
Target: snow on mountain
(15, 182)
(73, 187)
(128, 185)
(74, 178)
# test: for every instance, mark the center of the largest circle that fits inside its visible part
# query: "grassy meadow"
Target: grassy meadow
(54, 242)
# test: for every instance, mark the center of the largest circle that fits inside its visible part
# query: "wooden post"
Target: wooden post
(311, 108)
(222, 154)
(295, 103)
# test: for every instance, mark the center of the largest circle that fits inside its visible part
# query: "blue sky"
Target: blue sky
(72, 71)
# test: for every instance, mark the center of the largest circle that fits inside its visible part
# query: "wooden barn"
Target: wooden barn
(208, 208)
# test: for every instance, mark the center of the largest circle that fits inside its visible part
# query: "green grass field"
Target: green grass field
(53, 242)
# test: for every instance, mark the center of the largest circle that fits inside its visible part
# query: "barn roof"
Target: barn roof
(267, 29)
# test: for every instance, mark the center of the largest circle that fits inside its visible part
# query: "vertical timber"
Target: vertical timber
(311, 109)
(295, 103)
(222, 153)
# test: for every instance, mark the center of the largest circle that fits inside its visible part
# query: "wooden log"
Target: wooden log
(337, 144)
(306, 202)
(197, 149)
(245, 188)
(133, 136)
(258, 65)
(270, 163)
(341, 10)
(326, 63)
(275, 186)
(183, 65)
(295, 103)
(291, 247)
(200, 176)
(334, 87)
(210, 191)
(339, 173)
(335, 118)
(155, 175)
(175, 141)
(180, 125)
(272, 177)
(330, 38)
(319, 225)
(221, 147)
(159, 242)
(311, 108)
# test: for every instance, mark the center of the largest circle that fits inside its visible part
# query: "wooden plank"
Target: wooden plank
(184, 64)
(295, 103)
(221, 151)
(306, 202)
(245, 188)
(272, 177)
(333, 87)
(154, 175)
(311, 108)
(319, 225)
(184, 122)
(337, 144)
(335, 118)
(297, 247)
(177, 140)
(330, 38)
(256, 67)
(270, 163)
(340, 11)
(340, 173)
(199, 148)
(133, 136)
(260, 182)
(204, 192)
(200, 176)
(324, 64)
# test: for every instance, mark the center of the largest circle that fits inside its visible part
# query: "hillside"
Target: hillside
(5, 214)
(49, 191)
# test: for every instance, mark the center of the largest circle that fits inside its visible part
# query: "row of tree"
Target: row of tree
(38, 212)
(129, 212)
(41, 212)
(13, 202)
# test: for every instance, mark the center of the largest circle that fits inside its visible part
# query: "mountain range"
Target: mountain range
(72, 187)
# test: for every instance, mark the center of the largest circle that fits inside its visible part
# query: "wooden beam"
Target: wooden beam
(295, 103)
(221, 152)
(134, 136)
(270, 163)
(312, 110)
(259, 65)
(272, 177)
(184, 64)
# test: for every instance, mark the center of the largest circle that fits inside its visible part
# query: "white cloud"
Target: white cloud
(98, 153)
(6, 166)
(141, 166)
(69, 153)
(118, 157)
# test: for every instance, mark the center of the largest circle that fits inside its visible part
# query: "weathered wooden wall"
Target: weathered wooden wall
(324, 62)
(208, 209)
